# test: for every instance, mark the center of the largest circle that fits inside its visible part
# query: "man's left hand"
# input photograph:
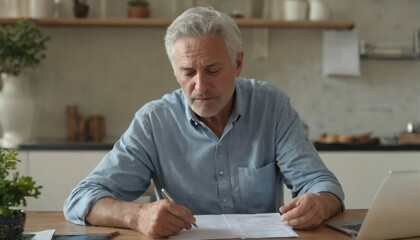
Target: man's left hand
(310, 210)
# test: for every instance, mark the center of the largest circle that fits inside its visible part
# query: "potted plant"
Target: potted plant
(138, 8)
(14, 188)
(80, 8)
(22, 47)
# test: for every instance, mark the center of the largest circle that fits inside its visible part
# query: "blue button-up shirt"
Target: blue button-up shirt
(263, 146)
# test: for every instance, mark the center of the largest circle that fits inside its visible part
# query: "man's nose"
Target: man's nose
(201, 83)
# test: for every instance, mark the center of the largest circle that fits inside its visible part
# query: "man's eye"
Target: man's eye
(189, 74)
(212, 71)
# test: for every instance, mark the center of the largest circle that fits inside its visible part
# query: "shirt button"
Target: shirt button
(220, 144)
(224, 200)
(221, 172)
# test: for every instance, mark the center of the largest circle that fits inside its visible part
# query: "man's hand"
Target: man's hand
(163, 218)
(310, 210)
(158, 219)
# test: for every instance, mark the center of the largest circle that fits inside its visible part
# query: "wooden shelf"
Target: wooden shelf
(154, 22)
(95, 22)
(295, 24)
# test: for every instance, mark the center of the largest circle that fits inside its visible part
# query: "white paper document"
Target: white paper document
(341, 53)
(264, 225)
(41, 235)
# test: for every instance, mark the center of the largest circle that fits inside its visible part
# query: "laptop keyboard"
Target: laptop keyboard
(353, 227)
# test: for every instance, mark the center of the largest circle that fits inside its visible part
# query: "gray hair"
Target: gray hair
(204, 21)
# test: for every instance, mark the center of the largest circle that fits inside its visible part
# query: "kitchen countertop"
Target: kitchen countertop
(366, 147)
(63, 145)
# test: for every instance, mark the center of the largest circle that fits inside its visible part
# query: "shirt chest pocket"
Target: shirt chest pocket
(258, 186)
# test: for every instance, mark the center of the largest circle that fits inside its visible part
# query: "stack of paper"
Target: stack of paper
(265, 225)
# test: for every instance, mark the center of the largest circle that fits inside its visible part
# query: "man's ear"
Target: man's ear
(239, 63)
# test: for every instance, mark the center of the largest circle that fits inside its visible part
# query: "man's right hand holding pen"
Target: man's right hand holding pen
(166, 218)
(159, 219)
(167, 196)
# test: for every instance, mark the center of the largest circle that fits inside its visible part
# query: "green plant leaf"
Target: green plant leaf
(14, 189)
(22, 46)
(143, 3)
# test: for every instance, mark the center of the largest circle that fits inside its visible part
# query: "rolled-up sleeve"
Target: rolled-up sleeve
(81, 199)
(302, 168)
(124, 174)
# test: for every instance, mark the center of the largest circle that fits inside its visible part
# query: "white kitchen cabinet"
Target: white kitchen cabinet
(361, 173)
(22, 167)
(58, 172)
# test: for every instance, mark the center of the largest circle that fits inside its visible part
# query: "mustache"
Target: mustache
(203, 95)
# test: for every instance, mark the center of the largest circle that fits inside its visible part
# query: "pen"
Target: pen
(166, 195)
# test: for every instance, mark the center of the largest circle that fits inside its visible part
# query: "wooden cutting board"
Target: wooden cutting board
(409, 138)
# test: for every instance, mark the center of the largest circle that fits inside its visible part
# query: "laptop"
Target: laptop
(394, 212)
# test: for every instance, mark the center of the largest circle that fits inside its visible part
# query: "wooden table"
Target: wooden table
(38, 221)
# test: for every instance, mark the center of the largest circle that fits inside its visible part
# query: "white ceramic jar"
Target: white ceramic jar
(318, 11)
(15, 8)
(2, 8)
(277, 9)
(295, 10)
(41, 8)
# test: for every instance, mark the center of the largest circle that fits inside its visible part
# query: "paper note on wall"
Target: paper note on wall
(341, 53)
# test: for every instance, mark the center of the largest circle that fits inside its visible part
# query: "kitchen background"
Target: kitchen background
(113, 71)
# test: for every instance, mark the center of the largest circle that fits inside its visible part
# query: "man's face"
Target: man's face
(206, 73)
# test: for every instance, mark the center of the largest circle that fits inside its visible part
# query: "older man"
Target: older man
(221, 144)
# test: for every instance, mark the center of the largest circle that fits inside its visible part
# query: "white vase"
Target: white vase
(16, 110)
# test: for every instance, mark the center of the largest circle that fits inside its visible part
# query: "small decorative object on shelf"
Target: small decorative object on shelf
(41, 8)
(318, 11)
(295, 10)
(14, 188)
(80, 8)
(81, 128)
(13, 8)
(138, 8)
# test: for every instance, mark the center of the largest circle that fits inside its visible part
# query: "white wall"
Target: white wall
(114, 71)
